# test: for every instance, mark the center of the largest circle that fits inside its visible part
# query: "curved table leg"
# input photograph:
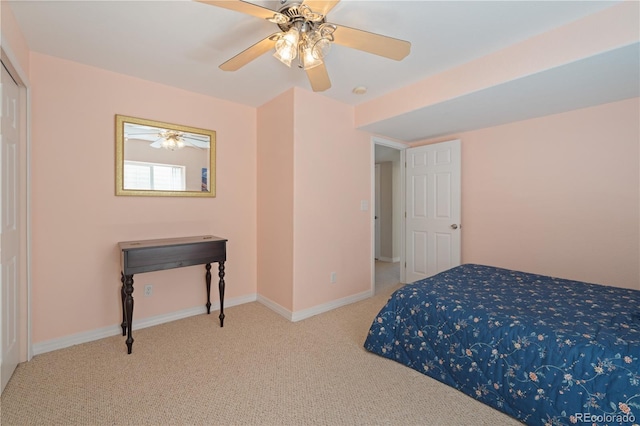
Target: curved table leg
(221, 289)
(208, 280)
(128, 306)
(124, 314)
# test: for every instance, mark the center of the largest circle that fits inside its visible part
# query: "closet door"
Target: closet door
(9, 226)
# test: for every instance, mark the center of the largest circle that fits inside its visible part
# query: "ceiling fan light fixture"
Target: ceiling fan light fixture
(285, 59)
(287, 46)
(321, 48)
(172, 144)
(326, 30)
(309, 60)
(310, 15)
(278, 19)
(305, 34)
(318, 44)
(172, 140)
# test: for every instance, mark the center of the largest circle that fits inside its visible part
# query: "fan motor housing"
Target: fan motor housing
(295, 15)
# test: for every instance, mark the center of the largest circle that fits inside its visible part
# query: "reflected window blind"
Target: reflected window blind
(153, 176)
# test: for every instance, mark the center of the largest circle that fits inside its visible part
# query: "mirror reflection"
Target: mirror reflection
(162, 159)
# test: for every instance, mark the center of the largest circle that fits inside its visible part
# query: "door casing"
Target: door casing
(402, 147)
(10, 61)
(375, 140)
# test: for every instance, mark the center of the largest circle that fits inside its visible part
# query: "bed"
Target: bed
(543, 350)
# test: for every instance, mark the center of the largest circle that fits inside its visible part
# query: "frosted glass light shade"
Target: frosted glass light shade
(287, 46)
(309, 60)
(320, 47)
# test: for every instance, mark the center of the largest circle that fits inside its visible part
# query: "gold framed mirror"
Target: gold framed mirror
(160, 159)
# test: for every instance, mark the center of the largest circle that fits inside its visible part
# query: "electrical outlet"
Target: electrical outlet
(148, 290)
(334, 278)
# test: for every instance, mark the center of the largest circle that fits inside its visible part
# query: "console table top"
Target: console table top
(132, 245)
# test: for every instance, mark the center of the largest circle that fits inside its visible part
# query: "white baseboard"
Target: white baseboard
(389, 259)
(319, 309)
(114, 330)
(280, 310)
(326, 307)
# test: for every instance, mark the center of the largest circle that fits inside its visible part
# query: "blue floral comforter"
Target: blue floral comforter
(544, 350)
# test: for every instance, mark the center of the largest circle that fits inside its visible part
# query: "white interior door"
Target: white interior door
(9, 226)
(432, 237)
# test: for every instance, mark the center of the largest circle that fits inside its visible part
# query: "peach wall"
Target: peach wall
(275, 200)
(12, 38)
(557, 195)
(284, 180)
(311, 180)
(609, 29)
(77, 219)
(331, 177)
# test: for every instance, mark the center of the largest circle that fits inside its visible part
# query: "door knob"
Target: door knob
(454, 226)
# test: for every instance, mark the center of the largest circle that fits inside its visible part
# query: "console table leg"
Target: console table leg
(221, 289)
(124, 314)
(128, 306)
(208, 280)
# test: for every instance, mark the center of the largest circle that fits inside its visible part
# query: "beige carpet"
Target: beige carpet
(260, 369)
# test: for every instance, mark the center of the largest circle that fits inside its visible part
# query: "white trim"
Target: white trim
(319, 309)
(278, 309)
(389, 259)
(372, 215)
(377, 140)
(115, 330)
(403, 203)
(326, 307)
(7, 56)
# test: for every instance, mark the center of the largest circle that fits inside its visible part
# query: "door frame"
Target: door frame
(12, 64)
(400, 146)
(376, 212)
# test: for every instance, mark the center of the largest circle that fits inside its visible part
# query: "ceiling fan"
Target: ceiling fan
(305, 34)
(165, 138)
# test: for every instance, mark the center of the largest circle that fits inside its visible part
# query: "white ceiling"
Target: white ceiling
(181, 43)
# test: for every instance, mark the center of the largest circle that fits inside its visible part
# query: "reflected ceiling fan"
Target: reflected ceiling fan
(305, 34)
(166, 138)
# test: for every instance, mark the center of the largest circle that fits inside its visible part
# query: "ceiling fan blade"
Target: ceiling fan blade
(242, 6)
(319, 78)
(188, 144)
(377, 44)
(321, 6)
(248, 55)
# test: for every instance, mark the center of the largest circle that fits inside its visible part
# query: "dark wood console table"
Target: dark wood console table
(156, 255)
